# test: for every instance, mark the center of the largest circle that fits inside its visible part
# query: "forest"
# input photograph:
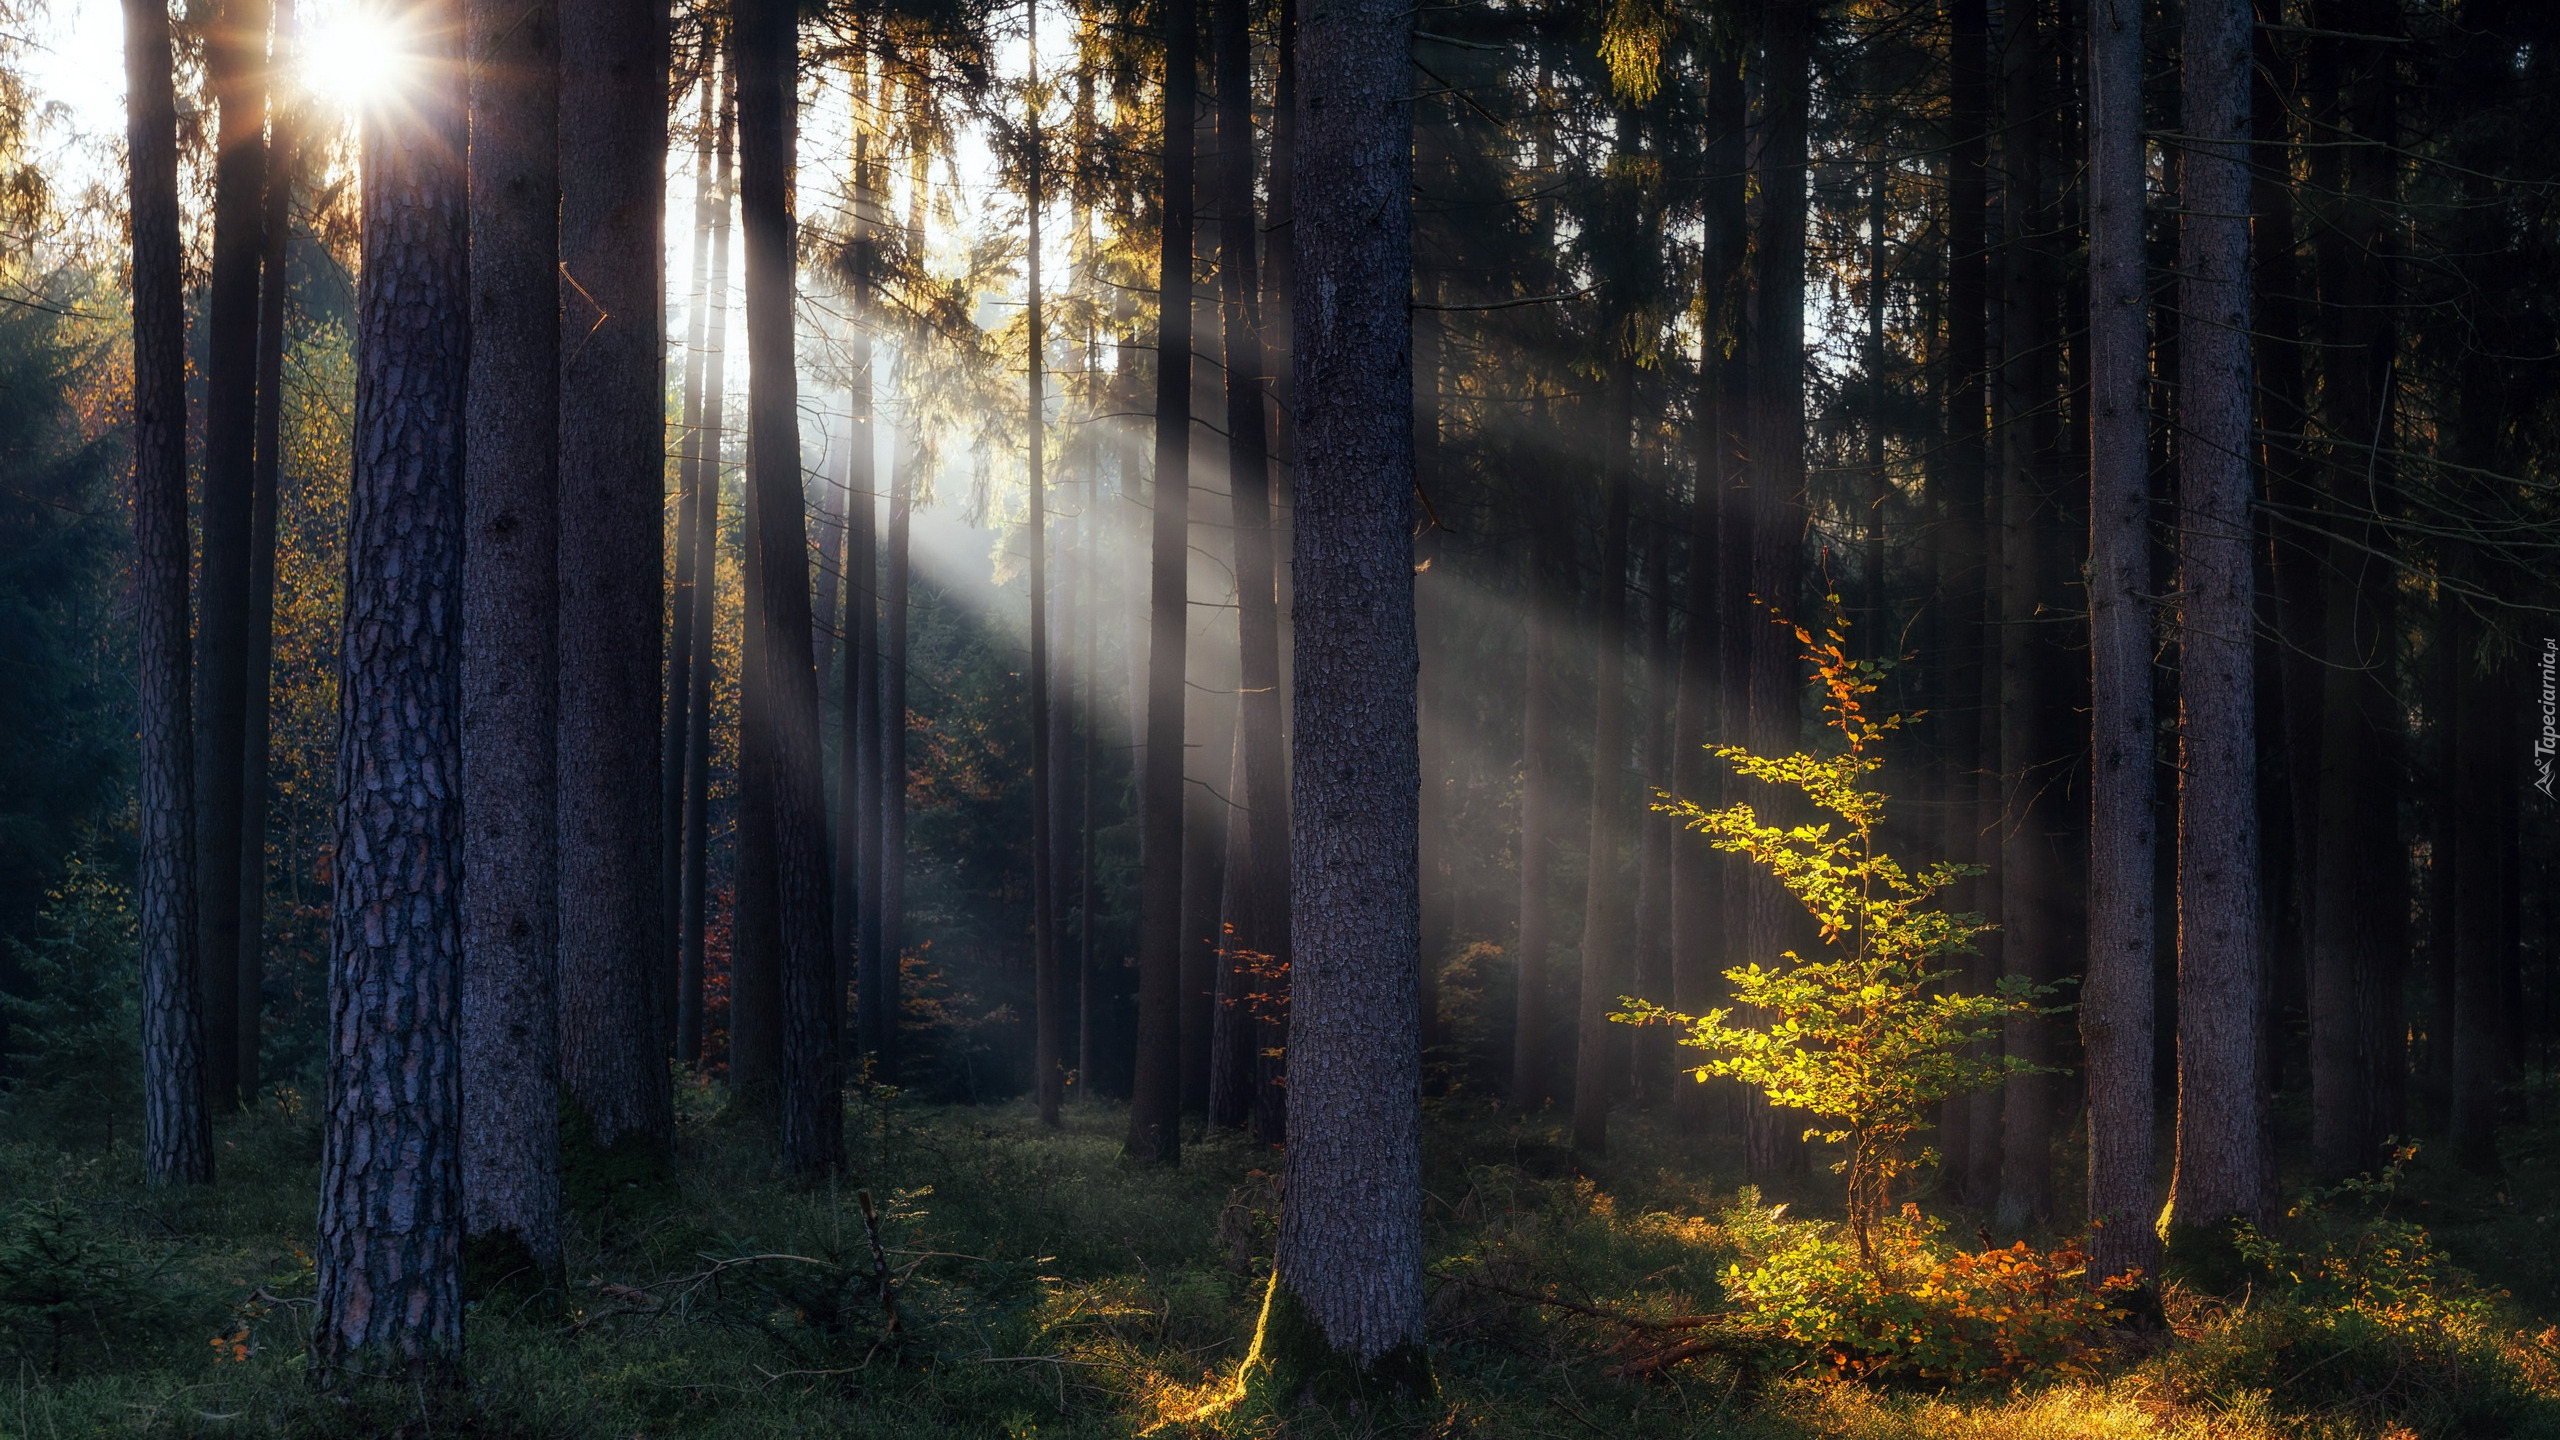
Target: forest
(1280, 718)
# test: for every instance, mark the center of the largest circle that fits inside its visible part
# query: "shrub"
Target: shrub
(1925, 1309)
(64, 1284)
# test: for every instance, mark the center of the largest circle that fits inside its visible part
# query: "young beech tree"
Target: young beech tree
(1865, 1039)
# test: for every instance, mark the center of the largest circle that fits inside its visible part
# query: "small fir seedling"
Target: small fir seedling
(1863, 1035)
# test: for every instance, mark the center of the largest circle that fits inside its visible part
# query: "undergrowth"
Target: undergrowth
(979, 1276)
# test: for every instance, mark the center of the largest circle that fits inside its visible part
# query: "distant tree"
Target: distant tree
(389, 1247)
(1155, 1104)
(510, 633)
(177, 1142)
(613, 140)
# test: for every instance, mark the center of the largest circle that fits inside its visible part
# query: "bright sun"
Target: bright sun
(355, 58)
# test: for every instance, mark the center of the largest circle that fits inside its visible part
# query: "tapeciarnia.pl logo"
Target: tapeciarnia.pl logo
(2548, 742)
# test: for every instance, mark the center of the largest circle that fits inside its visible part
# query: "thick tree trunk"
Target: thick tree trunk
(275, 286)
(1604, 953)
(389, 1247)
(765, 37)
(710, 443)
(1349, 1267)
(1156, 1097)
(177, 1144)
(2116, 999)
(510, 617)
(1778, 478)
(235, 71)
(2220, 1165)
(613, 135)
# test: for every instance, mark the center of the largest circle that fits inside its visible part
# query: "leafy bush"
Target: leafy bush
(74, 1051)
(1925, 1310)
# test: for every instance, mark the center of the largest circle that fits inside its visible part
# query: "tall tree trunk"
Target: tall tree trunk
(1649, 948)
(1529, 1076)
(613, 135)
(1962, 577)
(1348, 1273)
(1156, 1098)
(854, 621)
(693, 585)
(2116, 999)
(710, 446)
(510, 619)
(765, 47)
(2220, 1165)
(1698, 921)
(275, 285)
(389, 1247)
(1048, 1067)
(2033, 932)
(1270, 1093)
(1604, 955)
(858, 783)
(2478, 991)
(1778, 463)
(235, 71)
(887, 927)
(177, 1143)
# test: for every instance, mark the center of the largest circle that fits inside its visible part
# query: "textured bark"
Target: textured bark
(1155, 1102)
(613, 136)
(2116, 998)
(177, 1143)
(275, 285)
(694, 864)
(812, 1059)
(510, 615)
(235, 71)
(1350, 1247)
(389, 1244)
(1778, 478)
(1699, 920)
(693, 585)
(1961, 576)
(2220, 1164)
(1604, 954)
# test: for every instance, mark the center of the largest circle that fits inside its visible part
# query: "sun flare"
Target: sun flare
(356, 58)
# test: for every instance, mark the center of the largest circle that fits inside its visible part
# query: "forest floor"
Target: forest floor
(1044, 1287)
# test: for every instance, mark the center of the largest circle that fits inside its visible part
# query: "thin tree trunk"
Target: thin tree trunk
(276, 283)
(2116, 999)
(510, 617)
(1604, 956)
(858, 782)
(1048, 1014)
(177, 1143)
(1529, 1022)
(389, 1244)
(853, 621)
(1649, 949)
(235, 71)
(1778, 484)
(692, 580)
(613, 134)
(764, 39)
(710, 445)
(2220, 1164)
(1156, 1098)
(887, 928)
(1348, 1273)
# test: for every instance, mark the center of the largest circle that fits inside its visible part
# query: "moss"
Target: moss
(1293, 1364)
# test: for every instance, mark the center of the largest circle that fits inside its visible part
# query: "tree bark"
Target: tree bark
(765, 46)
(1529, 1023)
(1156, 1098)
(858, 779)
(855, 620)
(177, 1142)
(613, 135)
(2116, 998)
(1048, 1015)
(887, 929)
(388, 1251)
(1649, 948)
(2220, 1162)
(693, 582)
(1349, 1264)
(510, 618)
(235, 71)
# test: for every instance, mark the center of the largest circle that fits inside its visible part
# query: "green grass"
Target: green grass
(1046, 1287)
